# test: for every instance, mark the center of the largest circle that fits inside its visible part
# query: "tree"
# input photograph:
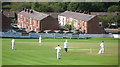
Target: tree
(98, 7)
(68, 27)
(64, 5)
(14, 20)
(110, 19)
(72, 24)
(72, 6)
(34, 5)
(21, 6)
(6, 6)
(46, 8)
(57, 7)
(84, 6)
(41, 7)
(114, 8)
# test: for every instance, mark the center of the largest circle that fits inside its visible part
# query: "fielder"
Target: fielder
(13, 44)
(66, 46)
(59, 55)
(101, 51)
(40, 40)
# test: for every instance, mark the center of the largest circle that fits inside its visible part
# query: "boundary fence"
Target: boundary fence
(56, 35)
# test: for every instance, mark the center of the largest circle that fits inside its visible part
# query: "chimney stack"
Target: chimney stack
(28, 10)
(23, 9)
(89, 12)
(85, 12)
(77, 10)
(80, 11)
(31, 11)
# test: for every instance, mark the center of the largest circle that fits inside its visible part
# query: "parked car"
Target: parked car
(14, 25)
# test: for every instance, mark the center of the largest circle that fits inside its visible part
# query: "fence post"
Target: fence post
(54, 35)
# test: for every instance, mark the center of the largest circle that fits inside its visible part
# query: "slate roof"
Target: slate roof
(78, 16)
(54, 14)
(35, 15)
(9, 14)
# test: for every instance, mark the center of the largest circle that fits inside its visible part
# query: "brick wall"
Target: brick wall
(93, 26)
(90, 27)
(28, 23)
(49, 23)
(6, 23)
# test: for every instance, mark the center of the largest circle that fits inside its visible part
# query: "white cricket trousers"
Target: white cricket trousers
(59, 55)
(13, 46)
(101, 51)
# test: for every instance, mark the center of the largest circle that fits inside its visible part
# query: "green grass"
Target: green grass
(29, 53)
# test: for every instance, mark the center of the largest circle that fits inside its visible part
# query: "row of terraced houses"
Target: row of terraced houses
(36, 21)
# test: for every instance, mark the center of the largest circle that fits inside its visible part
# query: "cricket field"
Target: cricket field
(81, 52)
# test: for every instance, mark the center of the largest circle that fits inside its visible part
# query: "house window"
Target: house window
(85, 24)
(37, 23)
(21, 16)
(59, 19)
(30, 21)
(100, 24)
(67, 20)
(63, 21)
(24, 19)
(27, 20)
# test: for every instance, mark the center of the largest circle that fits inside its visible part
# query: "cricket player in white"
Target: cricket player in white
(59, 55)
(40, 40)
(13, 44)
(101, 51)
(66, 45)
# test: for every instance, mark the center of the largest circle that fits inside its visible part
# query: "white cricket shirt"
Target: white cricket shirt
(102, 45)
(40, 38)
(66, 45)
(58, 48)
